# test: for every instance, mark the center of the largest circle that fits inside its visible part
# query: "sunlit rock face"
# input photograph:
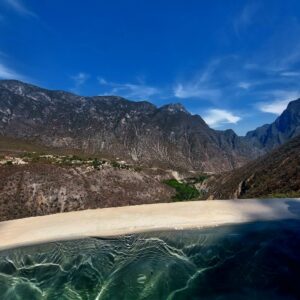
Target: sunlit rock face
(140, 132)
(134, 131)
(246, 261)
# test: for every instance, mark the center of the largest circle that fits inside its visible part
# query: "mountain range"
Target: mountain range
(137, 132)
(63, 152)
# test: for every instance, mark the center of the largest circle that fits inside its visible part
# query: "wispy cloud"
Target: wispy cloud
(201, 86)
(279, 103)
(129, 90)
(79, 80)
(218, 117)
(20, 8)
(9, 73)
(246, 17)
(275, 107)
(290, 74)
(292, 57)
(195, 90)
(281, 51)
(245, 85)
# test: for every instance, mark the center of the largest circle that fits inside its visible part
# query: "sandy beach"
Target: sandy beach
(132, 219)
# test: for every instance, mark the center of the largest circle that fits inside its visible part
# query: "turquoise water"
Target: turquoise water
(249, 261)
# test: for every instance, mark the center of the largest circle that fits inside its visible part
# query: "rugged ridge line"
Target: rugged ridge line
(112, 126)
(138, 132)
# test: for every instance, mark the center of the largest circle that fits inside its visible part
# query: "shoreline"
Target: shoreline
(118, 221)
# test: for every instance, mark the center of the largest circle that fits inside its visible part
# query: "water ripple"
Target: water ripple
(251, 261)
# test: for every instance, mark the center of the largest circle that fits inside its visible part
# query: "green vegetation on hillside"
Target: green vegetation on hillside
(65, 160)
(184, 191)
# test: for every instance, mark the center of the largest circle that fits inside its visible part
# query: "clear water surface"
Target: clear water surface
(258, 260)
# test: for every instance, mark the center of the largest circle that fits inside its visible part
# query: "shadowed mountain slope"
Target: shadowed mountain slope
(276, 174)
(285, 127)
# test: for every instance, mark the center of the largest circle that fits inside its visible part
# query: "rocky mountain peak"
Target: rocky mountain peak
(134, 131)
(285, 127)
(116, 127)
(295, 104)
(174, 108)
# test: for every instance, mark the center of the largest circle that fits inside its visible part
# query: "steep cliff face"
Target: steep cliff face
(113, 126)
(285, 127)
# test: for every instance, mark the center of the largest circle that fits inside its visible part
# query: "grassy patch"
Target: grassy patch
(184, 191)
(118, 165)
(96, 163)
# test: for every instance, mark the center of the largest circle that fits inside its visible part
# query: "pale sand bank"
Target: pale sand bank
(132, 219)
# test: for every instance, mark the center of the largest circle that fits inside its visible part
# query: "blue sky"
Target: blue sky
(235, 63)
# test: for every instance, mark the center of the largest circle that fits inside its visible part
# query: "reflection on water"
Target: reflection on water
(250, 261)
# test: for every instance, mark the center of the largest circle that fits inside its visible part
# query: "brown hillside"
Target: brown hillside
(276, 174)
